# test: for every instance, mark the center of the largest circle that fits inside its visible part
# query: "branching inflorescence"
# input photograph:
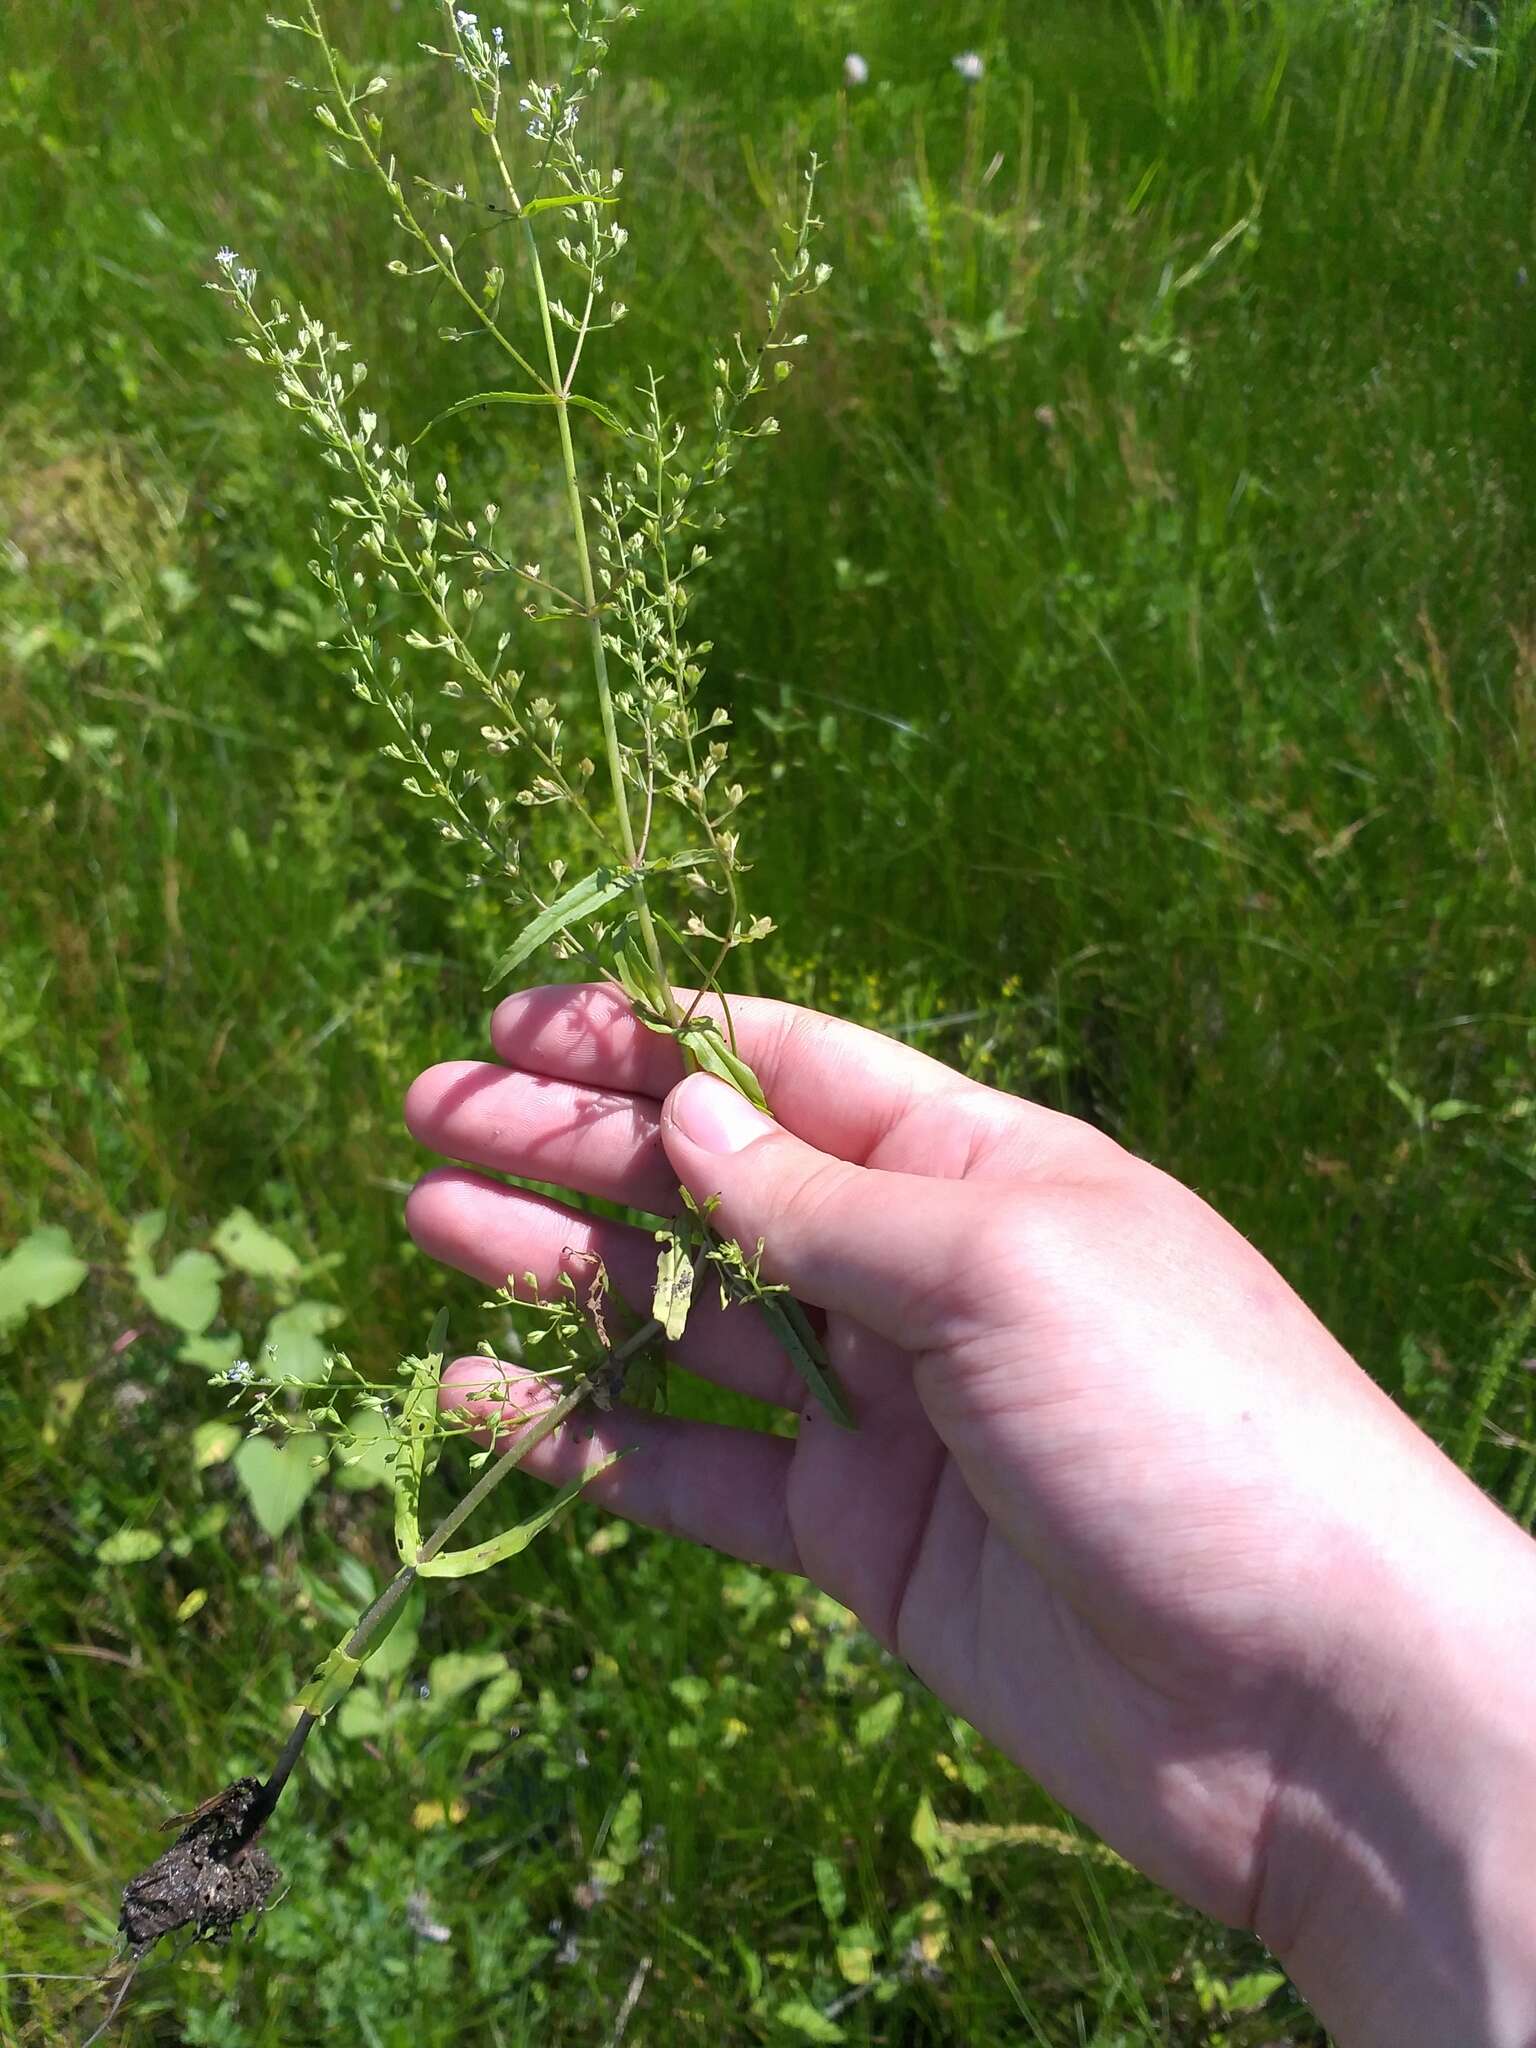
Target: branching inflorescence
(420, 588)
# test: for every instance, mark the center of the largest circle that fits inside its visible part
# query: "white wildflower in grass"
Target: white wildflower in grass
(855, 70)
(970, 65)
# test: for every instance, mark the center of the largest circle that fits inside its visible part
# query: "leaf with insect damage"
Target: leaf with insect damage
(673, 1294)
(480, 1557)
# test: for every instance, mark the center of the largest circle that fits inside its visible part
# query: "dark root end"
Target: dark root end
(212, 1877)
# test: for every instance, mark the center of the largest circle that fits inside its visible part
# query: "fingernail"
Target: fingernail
(715, 1117)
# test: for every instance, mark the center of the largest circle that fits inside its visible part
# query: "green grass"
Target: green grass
(1136, 651)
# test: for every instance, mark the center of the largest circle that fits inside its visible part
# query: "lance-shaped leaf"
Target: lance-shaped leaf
(480, 1557)
(788, 1322)
(705, 1040)
(583, 900)
(608, 417)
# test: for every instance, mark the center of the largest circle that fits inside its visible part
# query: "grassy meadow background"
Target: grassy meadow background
(1133, 638)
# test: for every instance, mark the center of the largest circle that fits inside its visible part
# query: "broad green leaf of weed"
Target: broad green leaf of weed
(242, 1242)
(213, 1354)
(214, 1443)
(39, 1272)
(460, 1671)
(857, 1949)
(186, 1294)
(291, 1349)
(498, 1696)
(279, 1478)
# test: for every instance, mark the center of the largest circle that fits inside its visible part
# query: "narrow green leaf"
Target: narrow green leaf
(706, 1042)
(477, 398)
(581, 901)
(561, 201)
(789, 1324)
(830, 1890)
(480, 1557)
(640, 982)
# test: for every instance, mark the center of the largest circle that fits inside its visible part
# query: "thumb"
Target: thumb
(850, 1239)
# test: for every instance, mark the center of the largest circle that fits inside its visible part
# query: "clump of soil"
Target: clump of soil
(210, 1878)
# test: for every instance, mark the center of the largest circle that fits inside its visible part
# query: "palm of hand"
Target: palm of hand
(1075, 1503)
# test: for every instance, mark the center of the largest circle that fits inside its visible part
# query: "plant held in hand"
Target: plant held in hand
(432, 597)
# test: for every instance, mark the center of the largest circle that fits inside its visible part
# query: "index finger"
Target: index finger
(838, 1085)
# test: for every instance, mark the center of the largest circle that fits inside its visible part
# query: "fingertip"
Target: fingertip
(424, 1097)
(713, 1116)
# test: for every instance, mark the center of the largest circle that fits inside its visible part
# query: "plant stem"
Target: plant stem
(595, 624)
(370, 1623)
(528, 1440)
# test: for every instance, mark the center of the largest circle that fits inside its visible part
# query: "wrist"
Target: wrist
(1400, 1878)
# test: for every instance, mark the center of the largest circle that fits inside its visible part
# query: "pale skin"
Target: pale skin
(1115, 1495)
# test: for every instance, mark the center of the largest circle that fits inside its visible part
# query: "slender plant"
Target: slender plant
(419, 585)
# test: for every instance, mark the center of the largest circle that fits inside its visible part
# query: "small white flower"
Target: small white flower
(970, 66)
(245, 279)
(226, 259)
(240, 1371)
(855, 69)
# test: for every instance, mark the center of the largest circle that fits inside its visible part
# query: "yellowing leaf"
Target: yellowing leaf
(432, 1813)
(213, 1443)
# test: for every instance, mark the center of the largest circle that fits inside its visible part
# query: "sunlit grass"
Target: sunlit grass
(1132, 630)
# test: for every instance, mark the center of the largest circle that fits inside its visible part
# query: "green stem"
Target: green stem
(371, 1622)
(595, 624)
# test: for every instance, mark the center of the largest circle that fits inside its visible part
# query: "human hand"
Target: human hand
(1115, 1494)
